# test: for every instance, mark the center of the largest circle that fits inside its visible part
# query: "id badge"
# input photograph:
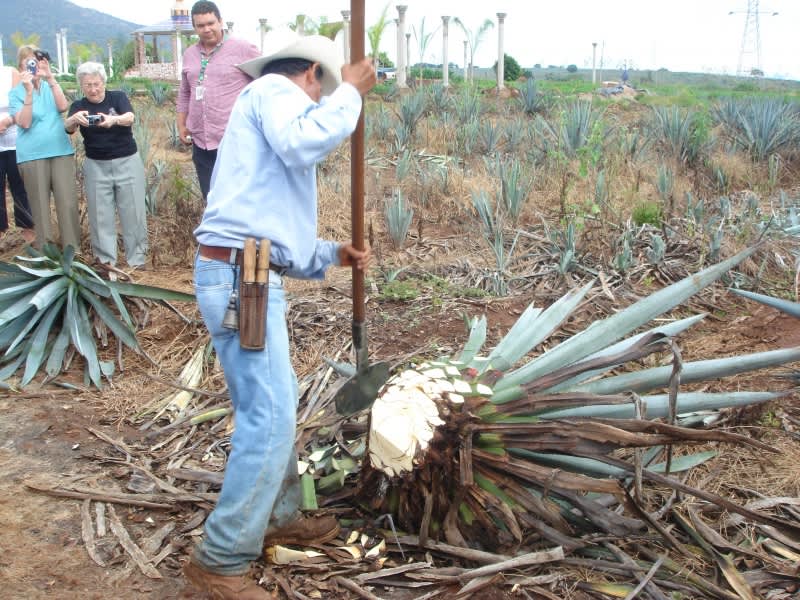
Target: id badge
(198, 92)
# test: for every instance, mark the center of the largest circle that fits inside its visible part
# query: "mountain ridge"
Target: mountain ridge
(46, 17)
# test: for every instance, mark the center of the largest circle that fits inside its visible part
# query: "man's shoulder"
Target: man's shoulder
(242, 46)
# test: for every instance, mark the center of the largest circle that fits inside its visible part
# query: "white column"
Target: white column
(501, 17)
(594, 58)
(110, 60)
(346, 28)
(65, 49)
(445, 64)
(402, 37)
(262, 25)
(176, 48)
(60, 59)
(466, 62)
(407, 69)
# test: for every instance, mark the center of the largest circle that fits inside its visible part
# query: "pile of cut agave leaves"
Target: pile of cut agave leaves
(566, 459)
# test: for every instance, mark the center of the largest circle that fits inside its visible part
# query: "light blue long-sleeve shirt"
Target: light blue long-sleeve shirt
(264, 183)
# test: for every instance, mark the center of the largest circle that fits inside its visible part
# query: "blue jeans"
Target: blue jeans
(261, 487)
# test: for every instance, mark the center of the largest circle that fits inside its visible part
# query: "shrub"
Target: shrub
(647, 213)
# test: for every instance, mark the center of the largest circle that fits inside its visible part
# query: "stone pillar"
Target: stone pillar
(59, 55)
(501, 17)
(402, 37)
(177, 52)
(262, 27)
(110, 60)
(399, 43)
(445, 63)
(594, 58)
(346, 29)
(408, 56)
(140, 52)
(466, 62)
(230, 27)
(65, 49)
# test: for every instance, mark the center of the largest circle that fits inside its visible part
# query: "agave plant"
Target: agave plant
(51, 303)
(490, 449)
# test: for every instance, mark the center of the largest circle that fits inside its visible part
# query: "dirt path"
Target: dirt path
(42, 554)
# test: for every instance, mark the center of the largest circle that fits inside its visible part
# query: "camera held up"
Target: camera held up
(31, 65)
(94, 119)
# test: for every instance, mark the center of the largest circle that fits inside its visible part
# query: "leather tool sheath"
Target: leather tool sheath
(253, 289)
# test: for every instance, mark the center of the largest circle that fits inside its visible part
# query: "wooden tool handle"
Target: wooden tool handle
(357, 158)
(262, 263)
(249, 261)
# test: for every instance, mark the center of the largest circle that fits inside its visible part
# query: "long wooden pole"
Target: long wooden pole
(357, 162)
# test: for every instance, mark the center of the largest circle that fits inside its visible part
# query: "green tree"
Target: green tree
(19, 40)
(474, 38)
(330, 29)
(375, 33)
(304, 25)
(423, 39)
(572, 69)
(124, 58)
(383, 60)
(511, 68)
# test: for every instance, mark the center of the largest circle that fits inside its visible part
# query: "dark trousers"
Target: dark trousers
(204, 165)
(22, 212)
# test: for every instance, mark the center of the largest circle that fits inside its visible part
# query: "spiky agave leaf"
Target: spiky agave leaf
(47, 302)
(456, 445)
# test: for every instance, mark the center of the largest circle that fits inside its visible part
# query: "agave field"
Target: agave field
(572, 291)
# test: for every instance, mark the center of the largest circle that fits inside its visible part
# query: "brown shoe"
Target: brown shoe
(304, 531)
(223, 587)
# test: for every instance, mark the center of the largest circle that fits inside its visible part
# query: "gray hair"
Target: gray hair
(91, 68)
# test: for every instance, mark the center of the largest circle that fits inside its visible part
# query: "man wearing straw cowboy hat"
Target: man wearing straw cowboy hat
(264, 187)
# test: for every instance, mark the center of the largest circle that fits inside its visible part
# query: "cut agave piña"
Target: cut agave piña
(485, 450)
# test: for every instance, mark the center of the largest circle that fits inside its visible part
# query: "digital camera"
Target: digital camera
(94, 119)
(31, 65)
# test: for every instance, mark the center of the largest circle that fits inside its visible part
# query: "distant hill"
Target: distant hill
(45, 17)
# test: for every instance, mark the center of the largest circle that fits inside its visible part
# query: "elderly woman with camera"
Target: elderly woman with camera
(113, 172)
(45, 156)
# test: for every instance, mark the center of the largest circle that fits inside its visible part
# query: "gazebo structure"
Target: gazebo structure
(178, 24)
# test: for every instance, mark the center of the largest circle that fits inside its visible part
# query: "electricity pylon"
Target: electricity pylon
(750, 51)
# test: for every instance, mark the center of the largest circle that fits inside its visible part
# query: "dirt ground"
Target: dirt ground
(45, 434)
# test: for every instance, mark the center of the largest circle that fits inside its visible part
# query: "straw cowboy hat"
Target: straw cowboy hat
(316, 48)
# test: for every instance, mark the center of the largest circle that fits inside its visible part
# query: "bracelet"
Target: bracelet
(52, 85)
(27, 103)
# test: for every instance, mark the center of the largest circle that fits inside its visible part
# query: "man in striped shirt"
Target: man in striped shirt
(210, 83)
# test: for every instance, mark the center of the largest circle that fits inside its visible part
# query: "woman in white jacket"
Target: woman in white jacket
(9, 77)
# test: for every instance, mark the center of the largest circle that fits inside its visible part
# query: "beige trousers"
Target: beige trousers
(56, 175)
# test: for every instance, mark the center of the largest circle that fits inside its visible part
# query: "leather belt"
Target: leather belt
(223, 254)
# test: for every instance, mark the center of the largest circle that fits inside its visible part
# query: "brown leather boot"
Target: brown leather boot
(304, 531)
(223, 587)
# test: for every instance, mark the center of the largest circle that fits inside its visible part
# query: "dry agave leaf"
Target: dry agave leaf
(281, 555)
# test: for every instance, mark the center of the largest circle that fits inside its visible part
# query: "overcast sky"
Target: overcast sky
(680, 35)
